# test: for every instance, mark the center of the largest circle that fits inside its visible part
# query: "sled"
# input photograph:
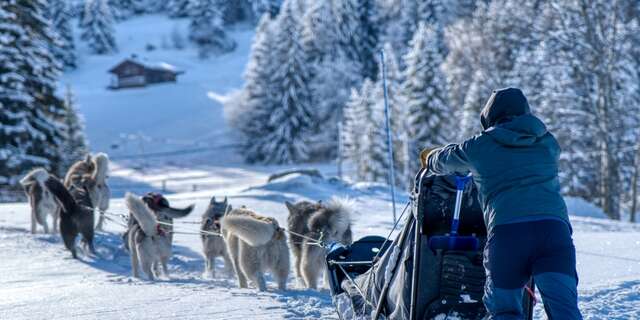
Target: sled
(405, 278)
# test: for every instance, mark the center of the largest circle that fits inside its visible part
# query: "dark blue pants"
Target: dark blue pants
(542, 249)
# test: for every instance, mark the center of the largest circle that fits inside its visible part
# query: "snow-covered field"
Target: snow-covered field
(40, 281)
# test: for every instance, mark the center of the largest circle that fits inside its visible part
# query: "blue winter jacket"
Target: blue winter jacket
(514, 162)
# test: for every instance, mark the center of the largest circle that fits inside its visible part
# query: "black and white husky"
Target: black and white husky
(76, 213)
(256, 244)
(164, 212)
(149, 244)
(41, 200)
(213, 245)
(327, 222)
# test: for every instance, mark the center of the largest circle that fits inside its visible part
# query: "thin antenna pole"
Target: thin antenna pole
(392, 172)
(340, 150)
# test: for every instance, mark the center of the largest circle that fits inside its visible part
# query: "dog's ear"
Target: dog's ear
(213, 200)
(290, 206)
(87, 159)
(225, 200)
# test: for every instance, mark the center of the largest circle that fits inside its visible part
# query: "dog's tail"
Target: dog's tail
(65, 199)
(253, 231)
(142, 213)
(101, 163)
(38, 176)
(177, 213)
(335, 219)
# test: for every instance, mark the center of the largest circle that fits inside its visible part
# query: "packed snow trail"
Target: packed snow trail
(40, 280)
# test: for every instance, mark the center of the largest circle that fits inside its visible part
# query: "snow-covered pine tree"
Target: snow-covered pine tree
(330, 87)
(599, 71)
(291, 120)
(358, 33)
(486, 44)
(560, 108)
(271, 7)
(425, 92)
(479, 91)
(178, 8)
(251, 113)
(64, 49)
(398, 113)
(146, 6)
(121, 9)
(333, 76)
(97, 27)
(355, 123)
(319, 29)
(74, 145)
(206, 29)
(30, 134)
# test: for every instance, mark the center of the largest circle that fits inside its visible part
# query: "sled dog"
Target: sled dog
(329, 223)
(163, 212)
(41, 200)
(255, 244)
(149, 245)
(97, 167)
(76, 213)
(212, 245)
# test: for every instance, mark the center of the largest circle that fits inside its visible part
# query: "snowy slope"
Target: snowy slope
(39, 275)
(173, 116)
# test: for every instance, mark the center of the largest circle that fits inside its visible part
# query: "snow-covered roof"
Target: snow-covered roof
(151, 65)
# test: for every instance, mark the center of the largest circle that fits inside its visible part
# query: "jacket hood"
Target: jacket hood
(503, 105)
(520, 131)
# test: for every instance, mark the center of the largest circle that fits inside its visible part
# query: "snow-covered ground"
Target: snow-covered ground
(40, 281)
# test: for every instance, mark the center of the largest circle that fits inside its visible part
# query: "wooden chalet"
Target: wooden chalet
(132, 73)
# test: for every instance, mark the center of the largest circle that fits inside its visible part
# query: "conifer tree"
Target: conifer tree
(252, 112)
(206, 28)
(425, 93)
(178, 8)
(97, 27)
(291, 119)
(64, 48)
(74, 145)
(29, 107)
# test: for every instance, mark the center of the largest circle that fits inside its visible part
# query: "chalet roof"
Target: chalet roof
(149, 65)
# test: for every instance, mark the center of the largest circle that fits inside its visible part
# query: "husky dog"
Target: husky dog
(163, 212)
(150, 246)
(76, 214)
(97, 167)
(212, 245)
(255, 244)
(329, 223)
(41, 200)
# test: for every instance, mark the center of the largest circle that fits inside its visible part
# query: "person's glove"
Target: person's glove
(424, 156)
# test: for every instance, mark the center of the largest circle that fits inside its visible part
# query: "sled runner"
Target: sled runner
(407, 278)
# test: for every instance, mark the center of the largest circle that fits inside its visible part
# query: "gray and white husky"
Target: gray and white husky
(42, 201)
(256, 244)
(213, 245)
(97, 166)
(327, 222)
(149, 245)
